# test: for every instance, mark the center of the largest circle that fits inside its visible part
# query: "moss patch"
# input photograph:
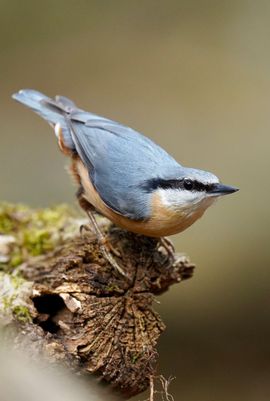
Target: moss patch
(15, 299)
(22, 314)
(35, 231)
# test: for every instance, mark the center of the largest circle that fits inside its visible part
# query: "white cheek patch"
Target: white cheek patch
(180, 199)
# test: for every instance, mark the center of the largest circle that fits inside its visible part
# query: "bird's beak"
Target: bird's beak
(221, 189)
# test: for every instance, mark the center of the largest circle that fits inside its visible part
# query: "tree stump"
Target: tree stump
(69, 305)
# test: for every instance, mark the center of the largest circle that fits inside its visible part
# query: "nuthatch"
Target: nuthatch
(123, 175)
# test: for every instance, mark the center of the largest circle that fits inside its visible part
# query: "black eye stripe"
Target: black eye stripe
(156, 183)
(188, 184)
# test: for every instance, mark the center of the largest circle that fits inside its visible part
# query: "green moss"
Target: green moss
(112, 288)
(17, 281)
(14, 298)
(37, 241)
(10, 217)
(6, 224)
(53, 216)
(22, 314)
(7, 302)
(36, 231)
(16, 259)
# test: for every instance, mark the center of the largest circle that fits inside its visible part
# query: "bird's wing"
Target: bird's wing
(120, 161)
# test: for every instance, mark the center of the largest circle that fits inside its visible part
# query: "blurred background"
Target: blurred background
(195, 77)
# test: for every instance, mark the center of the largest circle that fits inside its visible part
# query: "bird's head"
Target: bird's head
(192, 192)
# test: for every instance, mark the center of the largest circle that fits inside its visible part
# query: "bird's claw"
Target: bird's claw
(167, 244)
(105, 246)
(85, 227)
(106, 252)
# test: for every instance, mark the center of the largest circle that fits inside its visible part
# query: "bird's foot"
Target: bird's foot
(105, 246)
(167, 244)
(107, 249)
(102, 239)
(85, 228)
(111, 248)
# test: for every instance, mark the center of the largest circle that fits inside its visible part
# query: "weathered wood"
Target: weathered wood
(77, 310)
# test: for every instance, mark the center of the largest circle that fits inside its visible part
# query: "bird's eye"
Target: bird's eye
(188, 184)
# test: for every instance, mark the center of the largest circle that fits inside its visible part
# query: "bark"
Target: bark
(72, 307)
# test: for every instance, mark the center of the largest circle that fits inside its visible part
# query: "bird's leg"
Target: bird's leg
(85, 227)
(85, 205)
(112, 248)
(167, 244)
(104, 244)
(89, 228)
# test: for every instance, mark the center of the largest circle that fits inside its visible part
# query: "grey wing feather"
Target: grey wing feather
(120, 160)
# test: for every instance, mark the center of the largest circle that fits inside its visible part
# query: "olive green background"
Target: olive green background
(195, 77)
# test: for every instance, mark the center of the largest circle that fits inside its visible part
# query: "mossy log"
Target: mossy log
(70, 306)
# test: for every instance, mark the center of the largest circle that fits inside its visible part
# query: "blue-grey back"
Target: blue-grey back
(119, 159)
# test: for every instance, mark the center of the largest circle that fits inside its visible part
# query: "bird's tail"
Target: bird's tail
(52, 110)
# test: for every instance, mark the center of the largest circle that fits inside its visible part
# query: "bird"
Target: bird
(124, 175)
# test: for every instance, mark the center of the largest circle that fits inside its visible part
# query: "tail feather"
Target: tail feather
(65, 102)
(53, 111)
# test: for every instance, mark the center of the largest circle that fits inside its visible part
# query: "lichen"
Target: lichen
(35, 231)
(15, 301)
